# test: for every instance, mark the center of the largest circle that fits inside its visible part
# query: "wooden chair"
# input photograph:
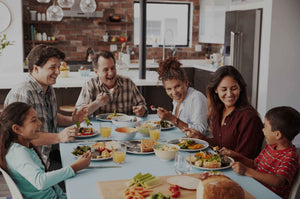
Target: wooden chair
(14, 190)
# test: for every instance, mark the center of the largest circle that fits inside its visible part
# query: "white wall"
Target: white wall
(279, 78)
(11, 60)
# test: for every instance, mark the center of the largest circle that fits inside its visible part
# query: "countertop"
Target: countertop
(9, 80)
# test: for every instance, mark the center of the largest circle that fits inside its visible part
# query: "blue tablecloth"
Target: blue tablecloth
(84, 184)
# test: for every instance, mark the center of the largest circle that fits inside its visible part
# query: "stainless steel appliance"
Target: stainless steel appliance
(242, 46)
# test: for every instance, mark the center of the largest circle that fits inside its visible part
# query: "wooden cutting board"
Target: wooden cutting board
(114, 189)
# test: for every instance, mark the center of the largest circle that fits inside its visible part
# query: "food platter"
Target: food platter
(82, 148)
(103, 117)
(95, 132)
(133, 147)
(168, 125)
(197, 141)
(209, 169)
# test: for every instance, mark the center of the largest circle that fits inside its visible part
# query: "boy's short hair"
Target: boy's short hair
(40, 54)
(284, 119)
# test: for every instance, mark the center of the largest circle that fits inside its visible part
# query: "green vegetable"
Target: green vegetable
(77, 124)
(145, 180)
(88, 122)
(159, 196)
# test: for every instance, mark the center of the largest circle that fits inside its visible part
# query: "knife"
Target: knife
(108, 166)
(85, 141)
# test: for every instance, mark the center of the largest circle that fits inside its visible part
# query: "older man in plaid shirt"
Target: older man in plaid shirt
(109, 92)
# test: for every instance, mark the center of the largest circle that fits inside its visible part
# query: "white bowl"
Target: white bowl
(125, 121)
(125, 133)
(166, 155)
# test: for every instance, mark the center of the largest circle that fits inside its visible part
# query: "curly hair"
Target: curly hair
(170, 69)
(40, 54)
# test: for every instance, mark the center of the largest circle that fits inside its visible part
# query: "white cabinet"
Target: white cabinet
(212, 21)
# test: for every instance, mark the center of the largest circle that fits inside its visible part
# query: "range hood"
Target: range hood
(75, 11)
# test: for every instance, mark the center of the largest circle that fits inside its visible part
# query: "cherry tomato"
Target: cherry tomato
(175, 194)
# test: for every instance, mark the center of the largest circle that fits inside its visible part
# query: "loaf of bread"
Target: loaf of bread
(147, 144)
(219, 187)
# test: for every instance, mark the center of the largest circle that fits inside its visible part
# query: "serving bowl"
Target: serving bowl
(125, 121)
(166, 152)
(125, 133)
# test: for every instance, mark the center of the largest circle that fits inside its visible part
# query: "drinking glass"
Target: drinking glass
(154, 131)
(105, 129)
(182, 165)
(119, 154)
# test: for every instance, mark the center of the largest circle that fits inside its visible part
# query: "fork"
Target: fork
(153, 108)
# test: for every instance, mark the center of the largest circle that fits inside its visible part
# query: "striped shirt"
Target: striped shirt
(31, 92)
(279, 162)
(125, 96)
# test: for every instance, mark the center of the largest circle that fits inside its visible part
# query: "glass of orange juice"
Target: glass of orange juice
(119, 154)
(154, 131)
(105, 129)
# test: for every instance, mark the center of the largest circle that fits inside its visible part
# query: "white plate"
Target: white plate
(97, 159)
(172, 125)
(136, 149)
(198, 141)
(87, 136)
(103, 117)
(209, 169)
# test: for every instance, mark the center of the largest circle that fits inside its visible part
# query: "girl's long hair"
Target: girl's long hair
(14, 113)
(214, 105)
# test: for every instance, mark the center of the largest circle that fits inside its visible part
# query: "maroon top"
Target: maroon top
(241, 132)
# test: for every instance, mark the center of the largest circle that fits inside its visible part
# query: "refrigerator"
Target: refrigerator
(242, 46)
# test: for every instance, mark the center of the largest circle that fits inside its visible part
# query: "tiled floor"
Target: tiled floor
(4, 191)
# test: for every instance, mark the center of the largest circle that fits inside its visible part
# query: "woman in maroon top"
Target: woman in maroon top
(234, 123)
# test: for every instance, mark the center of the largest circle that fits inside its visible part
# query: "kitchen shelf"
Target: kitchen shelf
(40, 22)
(121, 23)
(113, 42)
(42, 42)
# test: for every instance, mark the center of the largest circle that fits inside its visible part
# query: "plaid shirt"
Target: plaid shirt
(125, 96)
(32, 93)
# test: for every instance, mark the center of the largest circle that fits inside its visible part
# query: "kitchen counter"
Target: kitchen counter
(9, 80)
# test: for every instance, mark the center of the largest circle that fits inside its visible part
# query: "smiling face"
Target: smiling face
(47, 74)
(176, 89)
(228, 91)
(30, 129)
(106, 71)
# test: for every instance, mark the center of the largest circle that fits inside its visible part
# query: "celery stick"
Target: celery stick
(152, 183)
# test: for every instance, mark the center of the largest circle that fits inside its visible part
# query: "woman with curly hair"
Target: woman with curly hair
(189, 105)
(234, 123)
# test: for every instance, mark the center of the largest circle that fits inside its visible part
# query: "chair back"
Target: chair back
(14, 190)
(295, 191)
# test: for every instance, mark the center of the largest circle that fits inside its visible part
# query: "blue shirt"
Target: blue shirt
(193, 110)
(28, 172)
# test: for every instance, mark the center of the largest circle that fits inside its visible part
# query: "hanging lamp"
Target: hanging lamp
(65, 3)
(54, 13)
(88, 6)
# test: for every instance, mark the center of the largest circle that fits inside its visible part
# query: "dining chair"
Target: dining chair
(14, 190)
(295, 191)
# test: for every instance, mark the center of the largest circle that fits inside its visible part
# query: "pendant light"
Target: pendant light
(88, 6)
(65, 3)
(54, 13)
(43, 1)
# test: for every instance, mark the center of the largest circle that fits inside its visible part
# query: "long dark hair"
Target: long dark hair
(170, 69)
(214, 104)
(14, 113)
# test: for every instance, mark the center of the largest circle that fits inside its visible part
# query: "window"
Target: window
(168, 23)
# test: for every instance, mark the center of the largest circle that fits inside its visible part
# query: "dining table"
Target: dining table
(84, 183)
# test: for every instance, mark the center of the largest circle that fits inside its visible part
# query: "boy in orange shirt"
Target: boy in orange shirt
(278, 162)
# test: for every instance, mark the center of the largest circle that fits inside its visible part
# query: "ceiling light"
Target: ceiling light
(66, 3)
(54, 13)
(88, 6)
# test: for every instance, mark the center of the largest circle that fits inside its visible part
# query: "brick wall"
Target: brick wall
(78, 34)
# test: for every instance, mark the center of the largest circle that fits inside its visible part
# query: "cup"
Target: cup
(182, 165)
(105, 129)
(119, 154)
(154, 131)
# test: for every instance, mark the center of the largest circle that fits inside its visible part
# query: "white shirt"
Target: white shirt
(193, 110)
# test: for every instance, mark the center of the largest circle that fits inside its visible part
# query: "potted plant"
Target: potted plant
(4, 43)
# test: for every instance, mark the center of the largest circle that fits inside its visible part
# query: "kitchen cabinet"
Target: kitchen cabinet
(201, 80)
(212, 21)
